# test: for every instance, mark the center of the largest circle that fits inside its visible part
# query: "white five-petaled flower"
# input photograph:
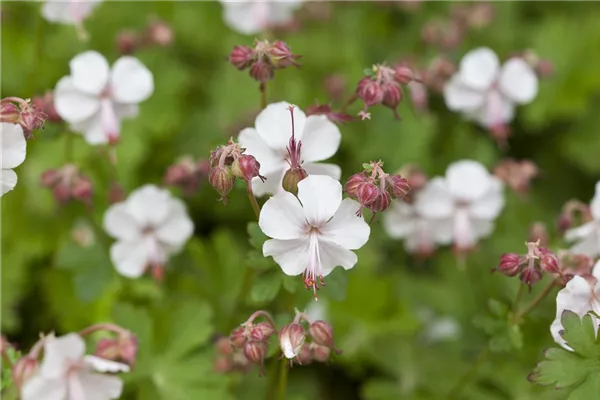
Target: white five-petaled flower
(587, 235)
(314, 233)
(269, 138)
(149, 226)
(249, 17)
(66, 373)
(13, 154)
(486, 92)
(579, 296)
(463, 204)
(94, 98)
(71, 12)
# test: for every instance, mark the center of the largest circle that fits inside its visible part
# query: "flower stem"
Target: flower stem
(69, 147)
(515, 306)
(253, 201)
(469, 375)
(536, 300)
(283, 373)
(349, 102)
(263, 95)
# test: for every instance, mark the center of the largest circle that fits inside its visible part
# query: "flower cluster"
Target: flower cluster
(68, 183)
(187, 174)
(263, 59)
(530, 267)
(253, 338)
(28, 116)
(156, 33)
(516, 174)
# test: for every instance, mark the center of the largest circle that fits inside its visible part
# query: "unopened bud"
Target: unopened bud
(241, 57)
(222, 180)
(549, 263)
(159, 33)
(222, 365)
(291, 178)
(224, 346)
(261, 332)
(24, 369)
(238, 337)
(322, 334)
(281, 55)
(354, 183)
(62, 193)
(399, 186)
(392, 95)
(122, 349)
(510, 264)
(291, 338)
(49, 178)
(261, 71)
(82, 189)
(246, 167)
(369, 91)
(305, 356)
(127, 42)
(367, 193)
(530, 276)
(32, 119)
(10, 113)
(403, 74)
(255, 352)
(381, 203)
(321, 353)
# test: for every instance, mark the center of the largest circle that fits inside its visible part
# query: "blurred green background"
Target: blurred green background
(50, 283)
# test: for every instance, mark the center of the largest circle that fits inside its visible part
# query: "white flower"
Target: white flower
(249, 17)
(421, 235)
(314, 233)
(66, 373)
(71, 12)
(486, 92)
(13, 154)
(464, 204)
(268, 141)
(579, 296)
(94, 99)
(588, 235)
(149, 226)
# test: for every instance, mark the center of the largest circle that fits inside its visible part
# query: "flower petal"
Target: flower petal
(440, 230)
(434, 200)
(14, 145)
(460, 97)
(120, 224)
(581, 232)
(271, 185)
(589, 245)
(89, 72)
(291, 255)
(149, 205)
(320, 196)
(274, 125)
(59, 353)
(8, 180)
(346, 228)
(130, 81)
(479, 68)
(99, 386)
(38, 387)
(596, 272)
(92, 130)
(72, 104)
(489, 205)
(281, 217)
(103, 365)
(130, 258)
(595, 203)
(331, 170)
(269, 159)
(68, 12)
(497, 110)
(177, 228)
(518, 81)
(468, 180)
(332, 255)
(236, 16)
(482, 227)
(576, 297)
(399, 220)
(321, 138)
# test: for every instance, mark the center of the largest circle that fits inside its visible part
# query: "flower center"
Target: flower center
(313, 274)
(156, 254)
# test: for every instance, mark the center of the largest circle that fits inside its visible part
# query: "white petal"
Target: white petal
(149, 205)
(496, 111)
(14, 145)
(281, 12)
(489, 205)
(468, 180)
(269, 159)
(595, 203)
(332, 255)
(460, 97)
(89, 72)
(479, 68)
(130, 258)
(103, 365)
(59, 352)
(72, 104)
(518, 81)
(272, 184)
(596, 271)
(590, 245)
(346, 228)
(274, 125)
(236, 16)
(320, 196)
(281, 217)
(120, 224)
(291, 255)
(434, 200)
(581, 232)
(464, 234)
(130, 81)
(68, 12)
(8, 180)
(555, 329)
(100, 387)
(482, 227)
(439, 230)
(321, 138)
(399, 220)
(92, 130)
(40, 388)
(125, 110)
(286, 347)
(331, 170)
(178, 227)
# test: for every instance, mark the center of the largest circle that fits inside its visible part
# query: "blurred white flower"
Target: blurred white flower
(149, 226)
(249, 17)
(268, 141)
(463, 204)
(486, 92)
(71, 12)
(314, 233)
(587, 235)
(94, 99)
(13, 154)
(66, 373)
(579, 296)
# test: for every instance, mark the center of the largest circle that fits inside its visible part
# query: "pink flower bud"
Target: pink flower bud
(291, 338)
(321, 353)
(262, 331)
(246, 167)
(281, 55)
(82, 189)
(159, 33)
(32, 119)
(403, 74)
(392, 95)
(510, 264)
(62, 193)
(224, 346)
(222, 180)
(399, 186)
(241, 57)
(305, 356)
(10, 113)
(291, 178)
(126, 42)
(322, 334)
(122, 349)
(367, 193)
(222, 365)
(549, 263)
(46, 104)
(238, 337)
(369, 91)
(381, 203)
(261, 71)
(49, 178)
(354, 183)
(530, 276)
(255, 352)
(24, 369)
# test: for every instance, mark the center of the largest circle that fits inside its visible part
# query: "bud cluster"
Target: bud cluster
(187, 174)
(157, 33)
(253, 338)
(15, 110)
(576, 264)
(230, 358)
(516, 174)
(374, 189)
(229, 162)
(382, 85)
(295, 173)
(263, 59)
(530, 266)
(68, 183)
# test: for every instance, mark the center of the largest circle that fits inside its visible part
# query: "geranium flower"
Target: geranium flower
(13, 154)
(579, 296)
(466, 201)
(249, 17)
(94, 99)
(149, 226)
(268, 141)
(71, 12)
(314, 233)
(66, 373)
(486, 92)
(587, 235)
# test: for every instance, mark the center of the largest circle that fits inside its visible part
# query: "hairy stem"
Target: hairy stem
(536, 300)
(283, 374)
(263, 95)
(253, 201)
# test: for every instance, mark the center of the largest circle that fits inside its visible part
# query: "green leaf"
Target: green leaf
(255, 260)
(290, 283)
(190, 327)
(265, 287)
(580, 334)
(515, 336)
(256, 236)
(498, 308)
(336, 285)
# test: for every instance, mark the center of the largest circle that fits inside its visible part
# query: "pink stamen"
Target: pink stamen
(108, 120)
(313, 275)
(294, 147)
